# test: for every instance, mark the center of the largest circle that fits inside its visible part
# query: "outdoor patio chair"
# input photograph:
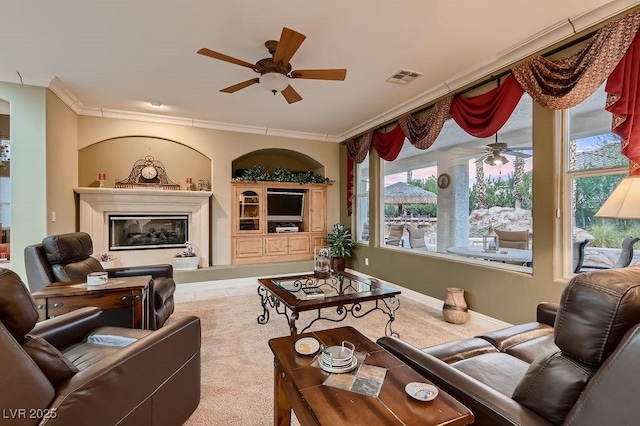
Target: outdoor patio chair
(416, 239)
(513, 239)
(578, 254)
(623, 261)
(396, 231)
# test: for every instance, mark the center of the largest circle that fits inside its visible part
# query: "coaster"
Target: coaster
(307, 346)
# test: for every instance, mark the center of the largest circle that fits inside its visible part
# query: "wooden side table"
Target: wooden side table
(126, 294)
(298, 386)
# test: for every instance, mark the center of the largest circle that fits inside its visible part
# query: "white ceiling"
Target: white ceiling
(113, 57)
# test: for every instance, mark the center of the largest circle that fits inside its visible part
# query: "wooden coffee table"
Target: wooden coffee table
(298, 386)
(344, 292)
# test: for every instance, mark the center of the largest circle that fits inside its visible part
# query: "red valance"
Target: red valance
(483, 115)
(623, 102)
(388, 145)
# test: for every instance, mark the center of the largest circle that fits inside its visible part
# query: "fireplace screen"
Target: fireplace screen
(136, 232)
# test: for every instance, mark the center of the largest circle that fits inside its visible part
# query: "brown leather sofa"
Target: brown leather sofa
(71, 370)
(583, 371)
(67, 258)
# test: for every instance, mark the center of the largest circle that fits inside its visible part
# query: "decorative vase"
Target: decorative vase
(455, 307)
(338, 264)
(322, 259)
(108, 264)
(185, 263)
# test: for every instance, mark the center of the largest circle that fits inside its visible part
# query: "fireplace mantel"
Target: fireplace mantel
(96, 204)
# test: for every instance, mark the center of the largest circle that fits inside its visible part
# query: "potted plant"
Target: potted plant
(185, 260)
(340, 244)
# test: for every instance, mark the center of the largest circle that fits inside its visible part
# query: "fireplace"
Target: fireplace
(175, 216)
(139, 232)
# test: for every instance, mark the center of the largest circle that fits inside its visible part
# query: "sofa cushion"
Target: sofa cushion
(18, 311)
(510, 336)
(499, 371)
(529, 350)
(596, 310)
(552, 386)
(67, 248)
(76, 271)
(51, 361)
(460, 349)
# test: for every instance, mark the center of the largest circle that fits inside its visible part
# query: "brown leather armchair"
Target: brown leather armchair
(71, 370)
(583, 371)
(67, 258)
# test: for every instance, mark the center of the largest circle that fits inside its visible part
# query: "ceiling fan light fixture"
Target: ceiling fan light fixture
(496, 160)
(274, 81)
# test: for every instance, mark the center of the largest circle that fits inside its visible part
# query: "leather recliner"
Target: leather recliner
(67, 258)
(583, 371)
(72, 370)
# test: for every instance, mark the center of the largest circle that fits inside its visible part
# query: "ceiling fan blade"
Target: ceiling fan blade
(336, 74)
(291, 95)
(517, 153)
(289, 43)
(236, 87)
(221, 56)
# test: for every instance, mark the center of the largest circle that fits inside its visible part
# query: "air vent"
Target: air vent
(404, 77)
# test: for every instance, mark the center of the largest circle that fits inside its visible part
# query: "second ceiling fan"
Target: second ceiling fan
(276, 71)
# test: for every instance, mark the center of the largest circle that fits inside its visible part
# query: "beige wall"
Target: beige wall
(62, 166)
(222, 148)
(116, 158)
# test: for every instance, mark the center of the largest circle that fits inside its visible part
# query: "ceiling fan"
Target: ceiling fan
(497, 150)
(275, 71)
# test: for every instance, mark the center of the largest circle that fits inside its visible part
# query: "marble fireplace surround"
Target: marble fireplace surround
(96, 204)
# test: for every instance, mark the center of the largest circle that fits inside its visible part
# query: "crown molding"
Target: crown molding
(548, 37)
(506, 58)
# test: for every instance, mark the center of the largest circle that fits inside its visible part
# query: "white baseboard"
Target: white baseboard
(183, 290)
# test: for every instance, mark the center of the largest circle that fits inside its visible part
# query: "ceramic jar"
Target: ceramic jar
(455, 307)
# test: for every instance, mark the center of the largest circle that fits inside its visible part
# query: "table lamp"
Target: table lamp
(624, 201)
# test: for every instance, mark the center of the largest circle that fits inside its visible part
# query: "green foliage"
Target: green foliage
(611, 232)
(590, 194)
(340, 242)
(280, 174)
(501, 192)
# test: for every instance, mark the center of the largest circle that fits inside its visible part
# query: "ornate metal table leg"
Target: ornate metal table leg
(392, 305)
(264, 300)
(292, 323)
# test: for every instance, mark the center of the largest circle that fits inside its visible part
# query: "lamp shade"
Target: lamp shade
(274, 81)
(624, 201)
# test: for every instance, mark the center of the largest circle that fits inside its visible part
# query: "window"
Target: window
(594, 166)
(490, 187)
(362, 201)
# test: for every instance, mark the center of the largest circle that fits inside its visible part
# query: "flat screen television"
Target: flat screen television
(285, 206)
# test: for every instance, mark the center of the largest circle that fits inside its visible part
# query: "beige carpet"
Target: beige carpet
(237, 364)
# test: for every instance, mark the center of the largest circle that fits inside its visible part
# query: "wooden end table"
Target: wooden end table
(126, 293)
(298, 386)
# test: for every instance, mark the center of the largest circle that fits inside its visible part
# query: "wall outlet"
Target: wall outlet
(366, 261)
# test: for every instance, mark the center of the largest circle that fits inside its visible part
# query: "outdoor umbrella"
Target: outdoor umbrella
(403, 193)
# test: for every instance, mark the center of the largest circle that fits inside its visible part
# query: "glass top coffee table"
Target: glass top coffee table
(341, 294)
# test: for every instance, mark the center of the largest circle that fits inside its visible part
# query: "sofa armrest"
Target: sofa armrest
(161, 365)
(156, 271)
(69, 328)
(546, 313)
(489, 406)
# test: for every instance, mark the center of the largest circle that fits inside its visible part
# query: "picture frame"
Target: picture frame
(490, 243)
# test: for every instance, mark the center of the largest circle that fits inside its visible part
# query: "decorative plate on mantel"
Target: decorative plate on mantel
(148, 173)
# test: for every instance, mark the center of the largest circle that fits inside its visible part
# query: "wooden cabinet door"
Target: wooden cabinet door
(248, 247)
(318, 240)
(318, 210)
(299, 244)
(248, 210)
(276, 246)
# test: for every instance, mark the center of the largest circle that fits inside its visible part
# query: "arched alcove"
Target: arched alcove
(272, 158)
(116, 157)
